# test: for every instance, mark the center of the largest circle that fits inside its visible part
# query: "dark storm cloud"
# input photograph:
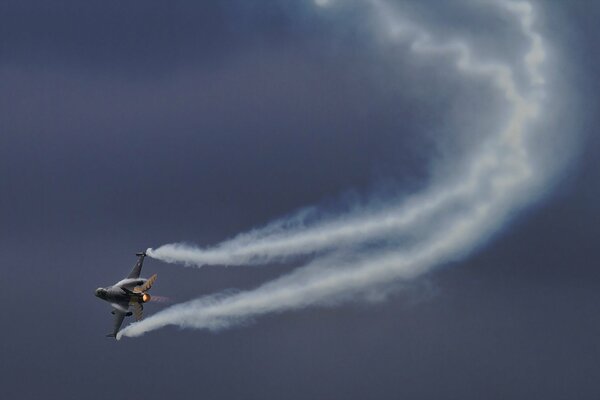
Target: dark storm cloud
(108, 35)
(73, 127)
(73, 137)
(128, 124)
(137, 38)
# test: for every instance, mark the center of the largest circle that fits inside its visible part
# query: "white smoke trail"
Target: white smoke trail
(279, 241)
(496, 181)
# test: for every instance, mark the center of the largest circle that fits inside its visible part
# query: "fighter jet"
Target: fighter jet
(131, 291)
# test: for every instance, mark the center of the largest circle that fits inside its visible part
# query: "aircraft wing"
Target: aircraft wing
(138, 311)
(120, 312)
(137, 268)
(119, 317)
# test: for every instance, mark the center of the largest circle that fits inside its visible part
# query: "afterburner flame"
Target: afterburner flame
(146, 297)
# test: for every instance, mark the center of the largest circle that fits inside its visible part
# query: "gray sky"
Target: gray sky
(125, 125)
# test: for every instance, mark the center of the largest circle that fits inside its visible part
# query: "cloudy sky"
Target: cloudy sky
(127, 125)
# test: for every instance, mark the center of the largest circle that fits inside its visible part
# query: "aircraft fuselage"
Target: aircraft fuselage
(122, 291)
(130, 292)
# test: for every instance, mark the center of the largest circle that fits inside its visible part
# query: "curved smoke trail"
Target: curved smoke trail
(496, 181)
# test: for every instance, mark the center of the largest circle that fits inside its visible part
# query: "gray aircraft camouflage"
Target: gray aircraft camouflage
(129, 292)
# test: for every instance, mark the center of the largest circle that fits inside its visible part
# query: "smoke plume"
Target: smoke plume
(362, 250)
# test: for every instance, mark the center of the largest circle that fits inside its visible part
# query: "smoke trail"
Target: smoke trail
(291, 237)
(453, 218)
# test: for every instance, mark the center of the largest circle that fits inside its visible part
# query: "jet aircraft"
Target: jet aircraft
(131, 291)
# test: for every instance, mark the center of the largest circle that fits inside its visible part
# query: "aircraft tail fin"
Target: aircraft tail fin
(137, 268)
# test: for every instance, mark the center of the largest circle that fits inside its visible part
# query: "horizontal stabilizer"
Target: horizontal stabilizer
(138, 311)
(147, 285)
